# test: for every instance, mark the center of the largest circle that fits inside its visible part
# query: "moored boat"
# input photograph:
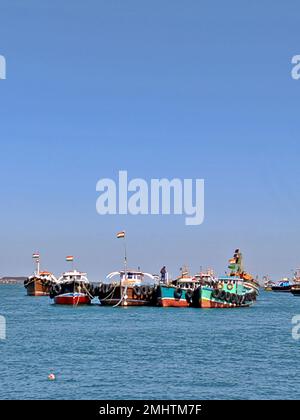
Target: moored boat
(268, 284)
(295, 288)
(73, 288)
(237, 270)
(230, 291)
(282, 286)
(40, 283)
(180, 292)
(227, 292)
(133, 288)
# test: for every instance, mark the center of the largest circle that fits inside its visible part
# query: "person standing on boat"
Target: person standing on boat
(163, 273)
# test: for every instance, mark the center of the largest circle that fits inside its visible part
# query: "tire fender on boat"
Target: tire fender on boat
(178, 293)
(137, 291)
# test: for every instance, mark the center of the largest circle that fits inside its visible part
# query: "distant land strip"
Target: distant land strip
(12, 280)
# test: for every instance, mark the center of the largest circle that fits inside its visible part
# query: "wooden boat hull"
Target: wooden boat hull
(110, 295)
(37, 287)
(72, 299)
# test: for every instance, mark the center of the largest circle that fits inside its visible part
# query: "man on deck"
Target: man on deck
(163, 273)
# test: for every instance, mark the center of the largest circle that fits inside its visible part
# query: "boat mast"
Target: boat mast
(38, 266)
(125, 270)
(36, 257)
(122, 235)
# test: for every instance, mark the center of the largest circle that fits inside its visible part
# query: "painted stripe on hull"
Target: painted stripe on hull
(72, 299)
(129, 302)
(172, 302)
(206, 304)
(37, 293)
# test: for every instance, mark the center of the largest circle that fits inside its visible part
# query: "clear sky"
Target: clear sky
(160, 88)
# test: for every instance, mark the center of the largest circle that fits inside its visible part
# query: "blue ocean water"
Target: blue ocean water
(148, 353)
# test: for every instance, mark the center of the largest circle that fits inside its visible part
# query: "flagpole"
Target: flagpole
(38, 266)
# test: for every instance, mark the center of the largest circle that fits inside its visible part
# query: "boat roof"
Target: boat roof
(73, 273)
(137, 273)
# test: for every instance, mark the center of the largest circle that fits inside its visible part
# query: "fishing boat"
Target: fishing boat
(73, 288)
(180, 292)
(40, 283)
(127, 288)
(237, 270)
(230, 291)
(295, 289)
(268, 284)
(282, 286)
(227, 292)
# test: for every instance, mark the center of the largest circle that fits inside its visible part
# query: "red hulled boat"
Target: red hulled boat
(73, 288)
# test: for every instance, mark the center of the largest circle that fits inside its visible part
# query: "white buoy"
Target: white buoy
(51, 377)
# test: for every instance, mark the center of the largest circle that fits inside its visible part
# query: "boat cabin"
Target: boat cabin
(73, 276)
(131, 277)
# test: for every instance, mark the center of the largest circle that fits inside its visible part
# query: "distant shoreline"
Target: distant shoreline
(12, 280)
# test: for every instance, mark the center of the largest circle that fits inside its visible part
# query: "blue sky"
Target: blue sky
(200, 89)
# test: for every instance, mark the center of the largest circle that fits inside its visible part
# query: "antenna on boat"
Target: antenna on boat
(36, 257)
(122, 235)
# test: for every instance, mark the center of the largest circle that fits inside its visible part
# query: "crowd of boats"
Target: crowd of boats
(285, 285)
(136, 288)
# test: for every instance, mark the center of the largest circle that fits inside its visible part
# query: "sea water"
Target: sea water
(148, 353)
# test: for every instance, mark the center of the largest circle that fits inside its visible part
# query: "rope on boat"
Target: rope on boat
(122, 297)
(110, 294)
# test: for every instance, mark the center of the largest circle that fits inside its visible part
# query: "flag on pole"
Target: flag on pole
(70, 258)
(36, 255)
(121, 235)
